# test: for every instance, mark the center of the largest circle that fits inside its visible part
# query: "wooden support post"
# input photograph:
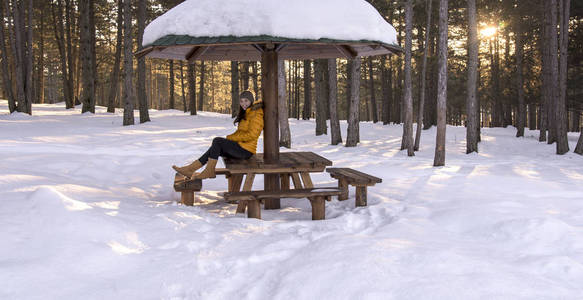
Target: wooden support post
(230, 183)
(297, 181)
(343, 185)
(269, 79)
(246, 187)
(307, 180)
(360, 196)
(187, 198)
(318, 208)
(254, 210)
(285, 182)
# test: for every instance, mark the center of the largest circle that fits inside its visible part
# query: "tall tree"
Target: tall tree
(579, 147)
(353, 134)
(282, 111)
(407, 139)
(336, 136)
(87, 74)
(520, 120)
(113, 87)
(234, 88)
(423, 77)
(71, 53)
(472, 99)
(387, 81)
(561, 119)
(320, 89)
(191, 76)
(40, 76)
(245, 76)
(373, 100)
(201, 87)
(171, 83)
(185, 107)
(128, 66)
(6, 78)
(21, 42)
(141, 83)
(307, 113)
(439, 159)
(64, 50)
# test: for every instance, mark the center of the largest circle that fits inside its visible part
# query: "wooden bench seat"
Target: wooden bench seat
(360, 180)
(315, 195)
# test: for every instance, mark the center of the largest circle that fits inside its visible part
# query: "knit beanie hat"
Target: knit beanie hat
(248, 95)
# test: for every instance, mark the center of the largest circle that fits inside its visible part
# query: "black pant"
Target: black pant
(225, 148)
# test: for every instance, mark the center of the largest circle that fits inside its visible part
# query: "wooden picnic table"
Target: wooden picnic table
(296, 166)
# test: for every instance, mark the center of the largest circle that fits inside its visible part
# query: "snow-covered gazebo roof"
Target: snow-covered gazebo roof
(240, 29)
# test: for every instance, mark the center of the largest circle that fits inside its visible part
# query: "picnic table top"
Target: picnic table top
(291, 160)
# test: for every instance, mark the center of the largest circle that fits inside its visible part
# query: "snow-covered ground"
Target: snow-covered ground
(87, 211)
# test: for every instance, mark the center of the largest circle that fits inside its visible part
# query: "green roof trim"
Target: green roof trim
(171, 40)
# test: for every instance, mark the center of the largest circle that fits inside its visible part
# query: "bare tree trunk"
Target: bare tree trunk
(191, 76)
(532, 116)
(40, 77)
(336, 136)
(255, 79)
(439, 159)
(353, 134)
(69, 54)
(373, 100)
(245, 76)
(19, 50)
(93, 51)
(307, 90)
(385, 85)
(579, 147)
(128, 66)
(284, 132)
(113, 87)
(201, 87)
(29, 85)
(472, 100)
(423, 78)
(561, 120)
(6, 80)
(171, 83)
(320, 89)
(407, 139)
(141, 83)
(60, 39)
(550, 66)
(520, 124)
(235, 88)
(182, 86)
(88, 87)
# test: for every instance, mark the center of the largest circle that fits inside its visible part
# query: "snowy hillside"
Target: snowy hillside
(87, 211)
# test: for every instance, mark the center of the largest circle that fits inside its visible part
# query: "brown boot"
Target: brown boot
(209, 171)
(188, 170)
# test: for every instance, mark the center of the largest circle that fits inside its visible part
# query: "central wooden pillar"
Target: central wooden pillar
(271, 127)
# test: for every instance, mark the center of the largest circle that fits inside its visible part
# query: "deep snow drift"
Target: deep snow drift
(87, 211)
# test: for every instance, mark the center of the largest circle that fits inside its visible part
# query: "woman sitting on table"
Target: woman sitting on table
(242, 144)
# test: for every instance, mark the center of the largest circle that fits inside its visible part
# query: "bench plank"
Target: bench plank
(297, 193)
(353, 175)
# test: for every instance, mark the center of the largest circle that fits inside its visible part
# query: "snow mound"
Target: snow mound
(46, 198)
(298, 19)
(16, 116)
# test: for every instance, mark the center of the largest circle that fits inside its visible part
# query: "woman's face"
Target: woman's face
(245, 103)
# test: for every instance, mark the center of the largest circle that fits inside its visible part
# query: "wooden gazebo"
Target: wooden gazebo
(203, 36)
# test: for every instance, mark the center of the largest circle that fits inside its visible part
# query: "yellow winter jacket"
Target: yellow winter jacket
(250, 128)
